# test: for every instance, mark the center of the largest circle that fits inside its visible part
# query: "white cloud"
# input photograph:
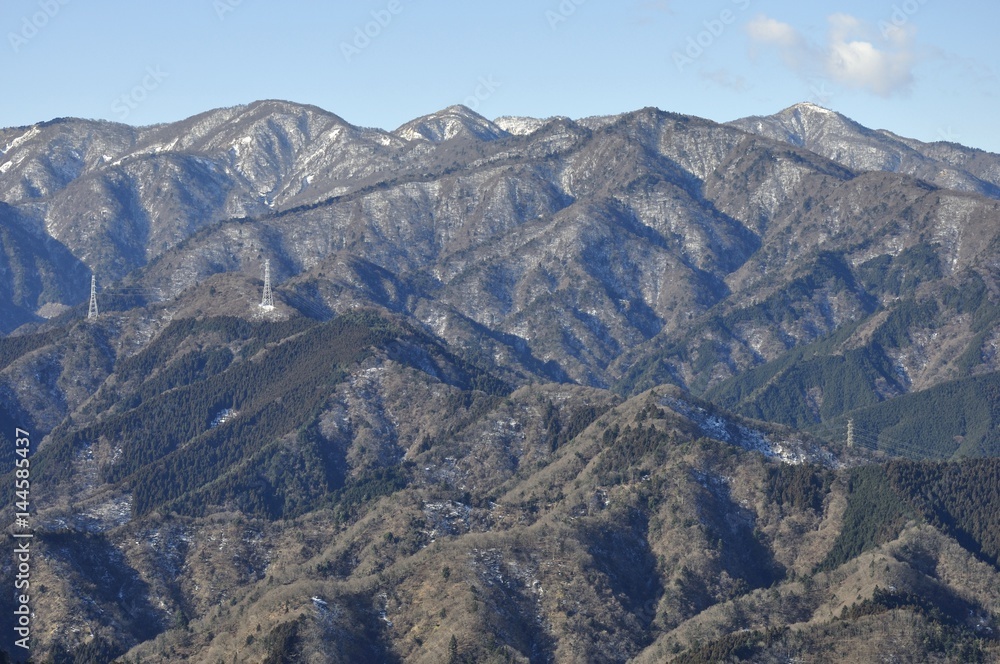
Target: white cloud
(849, 57)
(769, 31)
(856, 63)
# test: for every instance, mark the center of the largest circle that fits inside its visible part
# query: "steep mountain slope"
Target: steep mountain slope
(641, 254)
(453, 123)
(38, 273)
(552, 524)
(117, 196)
(859, 148)
(468, 429)
(581, 247)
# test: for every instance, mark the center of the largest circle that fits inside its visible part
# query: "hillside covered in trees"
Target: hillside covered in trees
(548, 391)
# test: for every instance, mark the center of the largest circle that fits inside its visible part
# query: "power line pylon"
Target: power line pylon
(850, 433)
(92, 312)
(267, 302)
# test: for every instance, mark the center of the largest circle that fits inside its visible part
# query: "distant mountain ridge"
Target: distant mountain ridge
(843, 140)
(576, 245)
(532, 390)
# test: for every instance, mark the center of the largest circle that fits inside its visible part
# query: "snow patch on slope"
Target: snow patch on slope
(519, 126)
(26, 136)
(453, 122)
(791, 450)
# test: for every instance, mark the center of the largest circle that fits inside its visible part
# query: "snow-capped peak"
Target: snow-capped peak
(519, 126)
(452, 122)
(813, 108)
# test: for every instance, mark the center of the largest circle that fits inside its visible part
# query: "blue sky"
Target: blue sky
(921, 68)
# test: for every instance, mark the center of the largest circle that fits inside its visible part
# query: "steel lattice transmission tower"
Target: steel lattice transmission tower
(267, 302)
(92, 312)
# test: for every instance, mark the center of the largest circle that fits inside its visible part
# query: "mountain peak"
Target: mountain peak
(430, 399)
(808, 106)
(460, 109)
(802, 124)
(457, 121)
(290, 108)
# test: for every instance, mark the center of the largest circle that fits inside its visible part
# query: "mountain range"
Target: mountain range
(532, 390)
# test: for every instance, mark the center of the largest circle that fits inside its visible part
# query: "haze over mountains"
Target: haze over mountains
(471, 315)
